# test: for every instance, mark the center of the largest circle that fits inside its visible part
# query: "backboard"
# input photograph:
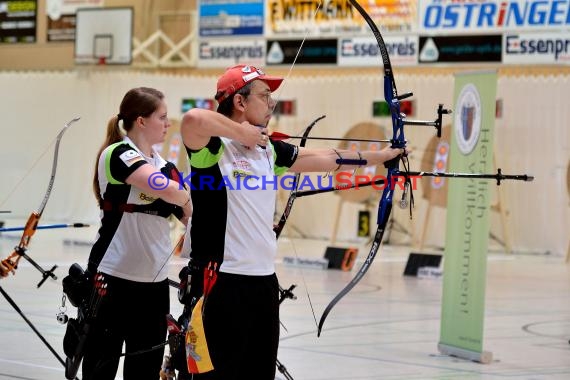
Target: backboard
(104, 35)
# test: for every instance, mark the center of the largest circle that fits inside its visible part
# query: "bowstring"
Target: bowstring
(28, 172)
(307, 31)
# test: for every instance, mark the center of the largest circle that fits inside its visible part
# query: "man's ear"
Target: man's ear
(239, 101)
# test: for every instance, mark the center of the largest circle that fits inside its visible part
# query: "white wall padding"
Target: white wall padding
(531, 137)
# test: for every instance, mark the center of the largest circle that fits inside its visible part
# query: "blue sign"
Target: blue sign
(492, 15)
(230, 18)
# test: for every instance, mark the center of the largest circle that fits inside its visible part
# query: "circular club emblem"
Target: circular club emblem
(468, 119)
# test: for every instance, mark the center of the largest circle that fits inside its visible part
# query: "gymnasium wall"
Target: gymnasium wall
(531, 137)
(41, 89)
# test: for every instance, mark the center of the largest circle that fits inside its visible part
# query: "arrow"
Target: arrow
(305, 193)
(278, 136)
(45, 227)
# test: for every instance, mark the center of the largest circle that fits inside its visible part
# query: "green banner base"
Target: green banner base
(484, 357)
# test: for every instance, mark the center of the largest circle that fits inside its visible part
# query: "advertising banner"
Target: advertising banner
(334, 18)
(18, 21)
(364, 51)
(456, 49)
(229, 52)
(230, 17)
(61, 17)
(492, 16)
(536, 48)
(318, 52)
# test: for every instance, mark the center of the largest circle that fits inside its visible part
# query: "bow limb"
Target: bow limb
(11, 262)
(398, 141)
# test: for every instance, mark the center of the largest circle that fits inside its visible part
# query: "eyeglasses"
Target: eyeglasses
(267, 96)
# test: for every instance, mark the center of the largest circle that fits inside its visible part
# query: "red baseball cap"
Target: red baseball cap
(238, 76)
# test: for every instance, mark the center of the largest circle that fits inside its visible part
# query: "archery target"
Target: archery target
(173, 148)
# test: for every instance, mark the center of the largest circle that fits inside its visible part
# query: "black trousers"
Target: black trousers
(133, 313)
(241, 322)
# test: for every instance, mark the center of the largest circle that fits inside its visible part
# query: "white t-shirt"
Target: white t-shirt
(233, 194)
(134, 245)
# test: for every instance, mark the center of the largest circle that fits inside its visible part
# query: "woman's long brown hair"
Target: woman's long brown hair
(140, 101)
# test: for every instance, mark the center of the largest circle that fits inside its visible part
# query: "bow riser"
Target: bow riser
(29, 229)
(11, 262)
(386, 202)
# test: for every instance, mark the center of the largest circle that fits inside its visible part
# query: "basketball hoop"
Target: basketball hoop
(103, 36)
